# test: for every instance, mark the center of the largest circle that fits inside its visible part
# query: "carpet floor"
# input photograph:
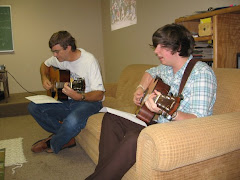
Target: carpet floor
(16, 104)
(70, 163)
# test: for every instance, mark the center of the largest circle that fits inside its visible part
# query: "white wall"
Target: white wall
(34, 21)
(130, 45)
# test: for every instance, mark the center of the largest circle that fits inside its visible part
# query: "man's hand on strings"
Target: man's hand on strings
(150, 102)
(46, 84)
(69, 91)
(138, 95)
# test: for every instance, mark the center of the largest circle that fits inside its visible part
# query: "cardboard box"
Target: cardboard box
(205, 20)
(205, 29)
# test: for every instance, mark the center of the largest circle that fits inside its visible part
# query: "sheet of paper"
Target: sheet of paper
(126, 115)
(42, 99)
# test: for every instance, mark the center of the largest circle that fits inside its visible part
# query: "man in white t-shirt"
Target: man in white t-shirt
(65, 120)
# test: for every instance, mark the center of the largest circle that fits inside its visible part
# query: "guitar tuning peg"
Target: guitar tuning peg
(181, 96)
(160, 112)
(169, 117)
(164, 114)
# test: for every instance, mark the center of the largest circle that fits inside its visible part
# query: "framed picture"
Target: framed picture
(123, 13)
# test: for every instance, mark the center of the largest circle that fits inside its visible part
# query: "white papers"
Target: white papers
(41, 99)
(129, 116)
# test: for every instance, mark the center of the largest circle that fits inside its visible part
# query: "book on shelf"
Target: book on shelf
(203, 44)
(203, 50)
(202, 56)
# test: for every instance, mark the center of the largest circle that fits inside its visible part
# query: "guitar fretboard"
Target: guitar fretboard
(59, 85)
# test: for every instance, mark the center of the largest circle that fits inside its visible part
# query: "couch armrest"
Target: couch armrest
(164, 147)
(111, 89)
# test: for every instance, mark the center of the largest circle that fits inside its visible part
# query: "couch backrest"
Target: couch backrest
(129, 80)
(228, 90)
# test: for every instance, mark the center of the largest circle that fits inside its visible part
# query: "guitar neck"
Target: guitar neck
(60, 85)
(73, 85)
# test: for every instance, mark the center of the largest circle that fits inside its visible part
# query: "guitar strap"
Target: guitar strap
(187, 72)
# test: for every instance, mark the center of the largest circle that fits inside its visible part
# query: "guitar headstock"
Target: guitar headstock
(78, 85)
(168, 104)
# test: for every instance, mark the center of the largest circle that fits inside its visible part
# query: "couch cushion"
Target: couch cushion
(168, 146)
(128, 81)
(112, 102)
(90, 135)
(94, 124)
(228, 90)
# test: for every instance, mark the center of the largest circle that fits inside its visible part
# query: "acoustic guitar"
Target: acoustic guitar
(58, 78)
(166, 102)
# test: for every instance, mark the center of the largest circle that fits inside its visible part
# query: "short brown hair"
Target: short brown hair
(176, 38)
(64, 39)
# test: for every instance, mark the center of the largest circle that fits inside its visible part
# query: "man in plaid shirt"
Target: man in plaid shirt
(173, 46)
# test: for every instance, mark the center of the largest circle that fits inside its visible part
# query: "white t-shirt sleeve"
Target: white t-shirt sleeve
(52, 61)
(95, 77)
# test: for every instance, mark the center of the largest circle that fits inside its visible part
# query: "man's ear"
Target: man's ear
(69, 48)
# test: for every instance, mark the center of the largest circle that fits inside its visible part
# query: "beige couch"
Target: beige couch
(203, 148)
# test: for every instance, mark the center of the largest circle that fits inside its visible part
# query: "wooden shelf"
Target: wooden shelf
(203, 38)
(225, 34)
(234, 9)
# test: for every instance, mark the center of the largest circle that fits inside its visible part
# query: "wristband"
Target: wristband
(140, 86)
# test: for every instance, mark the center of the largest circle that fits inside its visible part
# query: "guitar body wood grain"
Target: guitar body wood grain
(144, 113)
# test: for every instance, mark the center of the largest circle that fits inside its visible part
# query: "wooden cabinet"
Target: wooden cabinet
(225, 34)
